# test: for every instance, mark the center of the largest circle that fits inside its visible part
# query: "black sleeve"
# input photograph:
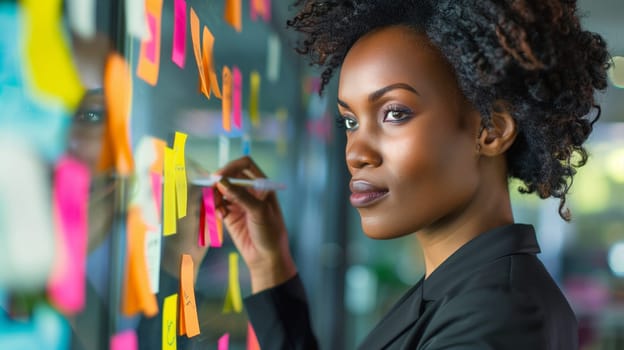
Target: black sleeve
(280, 317)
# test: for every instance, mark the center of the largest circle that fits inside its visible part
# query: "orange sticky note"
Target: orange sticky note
(226, 107)
(203, 56)
(233, 14)
(149, 57)
(138, 296)
(259, 8)
(116, 148)
(189, 323)
(48, 60)
(233, 300)
(252, 340)
(254, 99)
(169, 195)
(179, 145)
(169, 327)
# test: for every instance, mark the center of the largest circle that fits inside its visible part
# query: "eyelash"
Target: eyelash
(341, 120)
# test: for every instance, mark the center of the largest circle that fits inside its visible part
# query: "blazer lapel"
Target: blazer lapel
(401, 317)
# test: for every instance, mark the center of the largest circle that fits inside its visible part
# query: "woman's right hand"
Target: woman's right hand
(255, 224)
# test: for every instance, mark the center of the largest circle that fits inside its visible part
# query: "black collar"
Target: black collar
(488, 246)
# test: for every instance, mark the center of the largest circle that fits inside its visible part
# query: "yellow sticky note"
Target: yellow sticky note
(189, 323)
(254, 99)
(49, 64)
(233, 300)
(169, 334)
(179, 145)
(169, 195)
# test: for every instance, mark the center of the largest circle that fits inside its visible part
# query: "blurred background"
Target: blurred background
(53, 57)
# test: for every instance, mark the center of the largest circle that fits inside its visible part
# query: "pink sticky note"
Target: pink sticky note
(210, 217)
(252, 341)
(267, 10)
(224, 342)
(126, 340)
(237, 97)
(201, 233)
(157, 190)
(150, 48)
(66, 287)
(178, 53)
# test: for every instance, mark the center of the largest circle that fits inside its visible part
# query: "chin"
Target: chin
(381, 231)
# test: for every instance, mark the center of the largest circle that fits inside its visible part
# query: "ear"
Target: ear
(496, 138)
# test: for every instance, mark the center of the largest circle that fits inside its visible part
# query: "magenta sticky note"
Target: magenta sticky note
(67, 285)
(178, 52)
(150, 48)
(201, 233)
(237, 97)
(126, 340)
(224, 342)
(267, 10)
(210, 217)
(157, 188)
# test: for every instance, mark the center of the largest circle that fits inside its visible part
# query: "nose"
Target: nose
(361, 152)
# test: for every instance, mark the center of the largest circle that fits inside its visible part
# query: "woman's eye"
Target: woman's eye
(346, 123)
(395, 115)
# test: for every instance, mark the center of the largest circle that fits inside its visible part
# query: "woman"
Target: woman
(442, 102)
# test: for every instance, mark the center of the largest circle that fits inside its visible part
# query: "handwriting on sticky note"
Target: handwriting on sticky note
(169, 196)
(252, 340)
(210, 217)
(179, 146)
(67, 284)
(233, 300)
(233, 14)
(178, 51)
(149, 57)
(116, 148)
(126, 340)
(254, 99)
(49, 63)
(169, 324)
(224, 342)
(226, 107)
(189, 323)
(138, 295)
(237, 97)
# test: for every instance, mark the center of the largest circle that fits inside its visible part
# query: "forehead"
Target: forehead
(394, 54)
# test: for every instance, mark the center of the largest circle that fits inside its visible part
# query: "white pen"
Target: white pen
(257, 184)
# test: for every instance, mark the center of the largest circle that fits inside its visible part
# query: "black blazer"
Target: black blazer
(492, 293)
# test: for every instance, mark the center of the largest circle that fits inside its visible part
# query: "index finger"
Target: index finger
(244, 165)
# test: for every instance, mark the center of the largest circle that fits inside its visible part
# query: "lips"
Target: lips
(364, 194)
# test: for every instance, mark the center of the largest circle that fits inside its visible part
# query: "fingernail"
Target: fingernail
(224, 181)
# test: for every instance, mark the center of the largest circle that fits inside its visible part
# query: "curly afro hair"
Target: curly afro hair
(532, 54)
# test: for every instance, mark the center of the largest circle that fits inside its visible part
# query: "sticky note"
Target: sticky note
(136, 25)
(202, 234)
(138, 295)
(233, 301)
(153, 243)
(254, 99)
(210, 218)
(237, 98)
(274, 54)
(67, 285)
(116, 148)
(203, 56)
(252, 340)
(82, 17)
(189, 323)
(126, 340)
(157, 189)
(246, 144)
(178, 51)
(233, 14)
(224, 150)
(282, 142)
(169, 324)
(179, 145)
(156, 171)
(226, 104)
(149, 56)
(169, 196)
(260, 8)
(224, 342)
(49, 65)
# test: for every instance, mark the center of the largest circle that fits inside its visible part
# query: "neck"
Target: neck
(487, 210)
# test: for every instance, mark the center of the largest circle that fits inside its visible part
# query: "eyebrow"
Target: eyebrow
(376, 95)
